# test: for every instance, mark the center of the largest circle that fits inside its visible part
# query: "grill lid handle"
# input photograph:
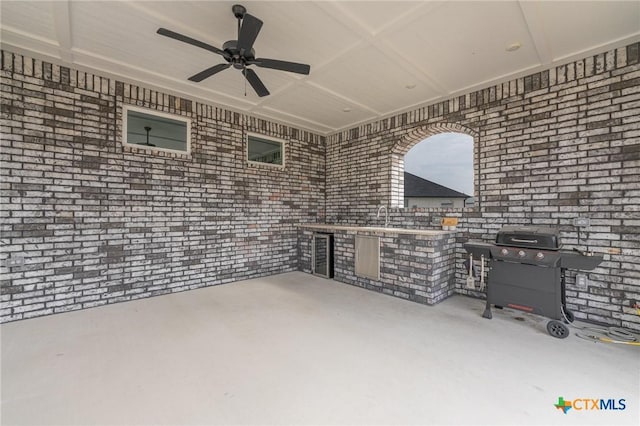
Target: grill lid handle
(518, 240)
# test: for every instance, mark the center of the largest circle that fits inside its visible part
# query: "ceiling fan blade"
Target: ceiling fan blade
(183, 38)
(209, 72)
(281, 65)
(248, 33)
(255, 82)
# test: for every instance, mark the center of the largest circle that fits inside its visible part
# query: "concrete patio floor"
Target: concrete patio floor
(298, 349)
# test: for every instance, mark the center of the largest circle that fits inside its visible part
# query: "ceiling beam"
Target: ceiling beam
(377, 39)
(62, 25)
(535, 26)
(344, 98)
(170, 22)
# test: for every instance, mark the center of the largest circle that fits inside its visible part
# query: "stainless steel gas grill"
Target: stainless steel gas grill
(527, 271)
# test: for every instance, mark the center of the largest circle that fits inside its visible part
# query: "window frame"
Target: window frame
(152, 112)
(282, 142)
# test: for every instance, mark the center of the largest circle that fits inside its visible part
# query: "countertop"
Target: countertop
(384, 230)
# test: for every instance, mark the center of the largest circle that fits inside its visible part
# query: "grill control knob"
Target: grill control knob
(522, 253)
(504, 252)
(539, 256)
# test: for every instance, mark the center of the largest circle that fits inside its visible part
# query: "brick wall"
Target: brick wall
(87, 221)
(549, 147)
(95, 222)
(415, 267)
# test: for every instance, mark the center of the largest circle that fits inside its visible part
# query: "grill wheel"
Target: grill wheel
(569, 317)
(557, 329)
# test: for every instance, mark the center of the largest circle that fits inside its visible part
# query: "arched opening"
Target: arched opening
(438, 172)
(465, 140)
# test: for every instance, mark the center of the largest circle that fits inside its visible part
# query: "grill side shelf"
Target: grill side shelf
(573, 260)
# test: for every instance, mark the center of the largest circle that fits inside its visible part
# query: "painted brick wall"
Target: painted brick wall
(549, 147)
(96, 222)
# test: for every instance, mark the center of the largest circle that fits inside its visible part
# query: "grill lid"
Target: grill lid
(529, 237)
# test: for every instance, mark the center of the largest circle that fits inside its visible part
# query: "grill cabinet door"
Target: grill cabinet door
(530, 288)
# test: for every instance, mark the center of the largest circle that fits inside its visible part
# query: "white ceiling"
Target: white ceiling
(363, 54)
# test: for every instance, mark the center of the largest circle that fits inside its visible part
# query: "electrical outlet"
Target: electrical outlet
(582, 282)
(581, 222)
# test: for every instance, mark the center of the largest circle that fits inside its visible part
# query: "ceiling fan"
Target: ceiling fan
(239, 53)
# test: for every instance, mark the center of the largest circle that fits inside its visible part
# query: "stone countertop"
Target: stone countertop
(324, 226)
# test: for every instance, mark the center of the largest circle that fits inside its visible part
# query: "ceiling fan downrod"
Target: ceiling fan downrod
(239, 11)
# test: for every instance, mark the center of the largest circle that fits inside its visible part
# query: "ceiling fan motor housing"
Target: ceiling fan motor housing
(235, 58)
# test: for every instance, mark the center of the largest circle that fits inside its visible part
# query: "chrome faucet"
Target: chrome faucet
(386, 215)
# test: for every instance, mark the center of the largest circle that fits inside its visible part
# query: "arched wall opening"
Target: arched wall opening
(409, 141)
(438, 172)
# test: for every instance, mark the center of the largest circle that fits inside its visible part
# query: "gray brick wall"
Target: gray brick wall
(551, 146)
(87, 221)
(419, 268)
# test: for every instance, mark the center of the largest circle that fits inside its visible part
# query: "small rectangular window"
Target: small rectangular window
(153, 130)
(262, 150)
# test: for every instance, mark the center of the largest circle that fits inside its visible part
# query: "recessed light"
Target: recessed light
(513, 47)
(346, 109)
(410, 86)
